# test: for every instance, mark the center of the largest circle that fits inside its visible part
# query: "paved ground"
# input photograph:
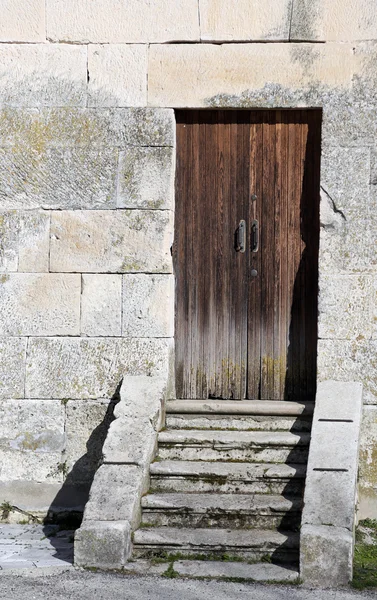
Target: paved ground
(34, 546)
(75, 585)
(36, 563)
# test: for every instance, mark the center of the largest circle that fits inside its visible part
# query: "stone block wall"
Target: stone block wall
(87, 92)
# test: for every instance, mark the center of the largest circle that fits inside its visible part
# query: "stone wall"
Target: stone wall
(87, 90)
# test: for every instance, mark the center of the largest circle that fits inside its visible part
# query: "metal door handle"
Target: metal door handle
(255, 236)
(241, 237)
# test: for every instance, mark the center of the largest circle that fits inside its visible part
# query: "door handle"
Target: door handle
(241, 236)
(255, 236)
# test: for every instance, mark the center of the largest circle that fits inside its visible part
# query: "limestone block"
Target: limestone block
(144, 126)
(52, 127)
(350, 360)
(101, 305)
(130, 441)
(40, 304)
(57, 177)
(373, 166)
(12, 367)
(35, 426)
(117, 75)
(103, 544)
(33, 496)
(123, 501)
(43, 74)
(142, 396)
(30, 466)
(365, 79)
(368, 464)
(148, 306)
(209, 74)
(9, 226)
(349, 120)
(111, 241)
(374, 307)
(345, 243)
(345, 304)
(332, 499)
(221, 20)
(334, 20)
(339, 400)
(34, 242)
(87, 423)
(22, 21)
(31, 440)
(146, 178)
(90, 368)
(325, 556)
(134, 21)
(345, 174)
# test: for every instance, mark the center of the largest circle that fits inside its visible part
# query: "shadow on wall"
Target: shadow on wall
(66, 510)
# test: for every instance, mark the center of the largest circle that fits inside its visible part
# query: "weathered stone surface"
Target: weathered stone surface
(334, 446)
(235, 570)
(102, 544)
(9, 228)
(40, 304)
(35, 427)
(339, 400)
(34, 496)
(207, 73)
(90, 368)
(345, 243)
(142, 396)
(117, 75)
(86, 427)
(325, 556)
(101, 305)
(12, 367)
(22, 21)
(130, 441)
(345, 304)
(119, 22)
(345, 174)
(31, 440)
(373, 166)
(332, 499)
(144, 126)
(345, 360)
(334, 20)
(85, 127)
(368, 464)
(146, 178)
(46, 75)
(24, 241)
(123, 502)
(116, 241)
(227, 21)
(34, 242)
(45, 467)
(57, 177)
(148, 306)
(349, 120)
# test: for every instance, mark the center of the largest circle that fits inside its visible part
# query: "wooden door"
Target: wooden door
(246, 321)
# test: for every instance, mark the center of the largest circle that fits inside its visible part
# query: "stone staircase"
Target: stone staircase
(227, 483)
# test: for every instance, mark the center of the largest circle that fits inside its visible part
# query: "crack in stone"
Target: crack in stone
(335, 209)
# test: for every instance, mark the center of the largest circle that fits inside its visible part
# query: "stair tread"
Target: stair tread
(241, 407)
(215, 538)
(262, 571)
(233, 471)
(232, 503)
(234, 439)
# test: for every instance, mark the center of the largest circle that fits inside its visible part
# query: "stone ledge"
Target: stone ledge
(103, 544)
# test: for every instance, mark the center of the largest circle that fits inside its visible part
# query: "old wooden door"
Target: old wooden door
(246, 254)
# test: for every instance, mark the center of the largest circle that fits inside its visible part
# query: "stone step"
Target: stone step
(241, 407)
(226, 477)
(253, 446)
(221, 510)
(251, 544)
(263, 571)
(238, 422)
